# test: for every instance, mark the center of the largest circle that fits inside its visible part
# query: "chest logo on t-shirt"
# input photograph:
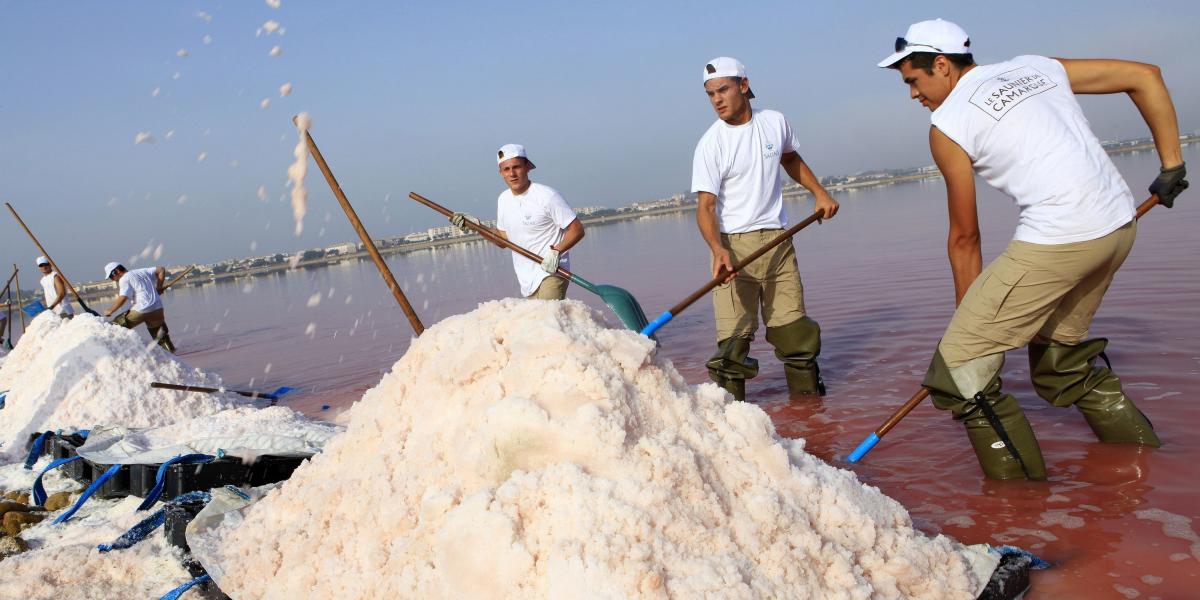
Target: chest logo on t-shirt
(769, 150)
(1000, 94)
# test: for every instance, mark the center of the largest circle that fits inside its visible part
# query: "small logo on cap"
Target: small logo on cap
(710, 68)
(500, 154)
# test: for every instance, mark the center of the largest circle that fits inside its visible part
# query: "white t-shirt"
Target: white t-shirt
(535, 221)
(1021, 125)
(64, 307)
(740, 165)
(139, 285)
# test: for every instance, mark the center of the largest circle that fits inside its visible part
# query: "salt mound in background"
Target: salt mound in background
(84, 372)
(523, 450)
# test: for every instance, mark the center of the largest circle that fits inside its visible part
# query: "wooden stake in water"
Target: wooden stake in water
(20, 302)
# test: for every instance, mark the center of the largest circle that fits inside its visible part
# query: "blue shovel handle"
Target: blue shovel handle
(864, 447)
(656, 324)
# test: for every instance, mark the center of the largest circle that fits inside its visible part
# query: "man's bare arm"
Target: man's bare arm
(962, 245)
(710, 230)
(798, 170)
(571, 236)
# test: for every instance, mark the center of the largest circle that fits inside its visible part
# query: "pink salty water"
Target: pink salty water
(1116, 521)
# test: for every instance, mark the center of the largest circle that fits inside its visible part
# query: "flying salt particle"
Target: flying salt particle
(297, 171)
(200, 157)
(207, 18)
(145, 253)
(248, 288)
(314, 300)
(155, 92)
(311, 330)
(265, 102)
(273, 3)
(169, 134)
(112, 201)
(349, 298)
(321, 232)
(207, 39)
(262, 193)
(330, 294)
(285, 89)
(271, 26)
(182, 53)
(254, 245)
(276, 51)
(143, 137)
(176, 75)
(294, 260)
(267, 369)
(182, 199)
(158, 252)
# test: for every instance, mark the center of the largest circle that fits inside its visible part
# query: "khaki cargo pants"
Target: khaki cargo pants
(551, 288)
(772, 282)
(1048, 291)
(156, 324)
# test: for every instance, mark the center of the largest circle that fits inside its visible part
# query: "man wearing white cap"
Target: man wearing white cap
(54, 289)
(535, 217)
(736, 172)
(1018, 125)
(144, 288)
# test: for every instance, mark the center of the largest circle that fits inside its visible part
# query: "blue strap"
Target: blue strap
(39, 491)
(3, 397)
(147, 526)
(137, 533)
(35, 450)
(91, 489)
(161, 476)
(177, 592)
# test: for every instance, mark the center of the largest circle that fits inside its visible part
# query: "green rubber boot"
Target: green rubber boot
(1003, 441)
(1064, 375)
(798, 344)
(730, 367)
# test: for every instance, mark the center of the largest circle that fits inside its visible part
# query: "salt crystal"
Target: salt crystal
(155, 92)
(314, 300)
(206, 40)
(143, 137)
(181, 53)
(270, 26)
(285, 89)
(276, 51)
(265, 102)
(273, 3)
(200, 157)
(262, 193)
(310, 330)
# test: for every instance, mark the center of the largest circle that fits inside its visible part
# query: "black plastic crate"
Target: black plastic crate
(178, 515)
(272, 469)
(64, 447)
(181, 479)
(117, 486)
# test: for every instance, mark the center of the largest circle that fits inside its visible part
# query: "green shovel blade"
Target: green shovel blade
(622, 303)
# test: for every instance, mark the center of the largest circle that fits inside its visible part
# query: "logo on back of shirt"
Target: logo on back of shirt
(1000, 94)
(769, 150)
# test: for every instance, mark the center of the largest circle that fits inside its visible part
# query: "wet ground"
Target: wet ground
(1117, 521)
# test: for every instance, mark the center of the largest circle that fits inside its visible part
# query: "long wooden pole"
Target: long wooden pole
(388, 278)
(9, 324)
(865, 446)
(209, 390)
(20, 302)
(176, 278)
(49, 258)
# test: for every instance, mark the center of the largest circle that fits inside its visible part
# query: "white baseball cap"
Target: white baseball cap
(42, 260)
(724, 66)
(942, 37)
(109, 268)
(508, 151)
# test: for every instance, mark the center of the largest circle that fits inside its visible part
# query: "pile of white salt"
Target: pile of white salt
(83, 372)
(523, 450)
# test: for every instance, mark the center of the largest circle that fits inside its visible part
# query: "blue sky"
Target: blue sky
(417, 97)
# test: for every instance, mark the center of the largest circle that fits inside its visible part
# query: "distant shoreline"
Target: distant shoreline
(788, 194)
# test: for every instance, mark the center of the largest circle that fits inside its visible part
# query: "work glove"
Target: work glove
(460, 221)
(1169, 183)
(550, 263)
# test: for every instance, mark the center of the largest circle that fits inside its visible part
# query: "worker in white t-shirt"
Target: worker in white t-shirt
(1018, 126)
(143, 287)
(737, 173)
(535, 217)
(54, 288)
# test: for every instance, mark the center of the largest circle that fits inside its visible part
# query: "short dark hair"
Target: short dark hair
(924, 60)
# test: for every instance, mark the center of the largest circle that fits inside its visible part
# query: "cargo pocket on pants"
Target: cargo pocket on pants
(1000, 278)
